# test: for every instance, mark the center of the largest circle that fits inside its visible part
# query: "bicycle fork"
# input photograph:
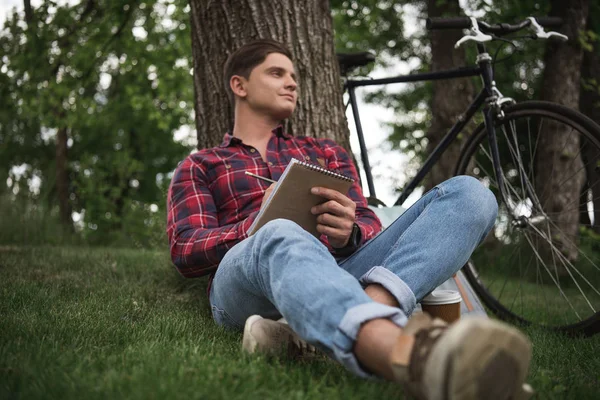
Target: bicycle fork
(491, 112)
(491, 108)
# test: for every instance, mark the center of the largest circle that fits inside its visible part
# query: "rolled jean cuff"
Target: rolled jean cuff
(347, 331)
(396, 286)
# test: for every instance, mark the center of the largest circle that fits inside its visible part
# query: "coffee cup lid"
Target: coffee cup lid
(442, 297)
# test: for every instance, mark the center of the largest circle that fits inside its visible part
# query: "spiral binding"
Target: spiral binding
(322, 170)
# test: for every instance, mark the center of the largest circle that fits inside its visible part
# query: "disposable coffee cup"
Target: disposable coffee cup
(443, 304)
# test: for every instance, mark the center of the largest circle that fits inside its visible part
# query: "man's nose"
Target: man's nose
(291, 84)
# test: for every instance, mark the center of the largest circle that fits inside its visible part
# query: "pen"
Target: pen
(260, 177)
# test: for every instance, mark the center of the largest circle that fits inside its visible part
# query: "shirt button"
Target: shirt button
(252, 150)
(307, 158)
(227, 166)
(270, 163)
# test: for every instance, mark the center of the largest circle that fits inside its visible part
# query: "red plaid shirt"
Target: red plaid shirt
(211, 202)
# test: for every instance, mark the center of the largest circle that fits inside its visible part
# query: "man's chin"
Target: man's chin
(285, 114)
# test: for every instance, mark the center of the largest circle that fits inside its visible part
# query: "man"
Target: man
(351, 292)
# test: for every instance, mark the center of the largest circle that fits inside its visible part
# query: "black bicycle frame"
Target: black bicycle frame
(484, 69)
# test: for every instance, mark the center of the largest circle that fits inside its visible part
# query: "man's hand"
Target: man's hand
(266, 195)
(335, 216)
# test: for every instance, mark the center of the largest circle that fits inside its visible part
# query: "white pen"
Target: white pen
(260, 177)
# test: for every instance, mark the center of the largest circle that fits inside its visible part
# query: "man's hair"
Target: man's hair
(243, 60)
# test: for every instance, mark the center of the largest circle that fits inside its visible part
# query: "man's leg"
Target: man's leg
(427, 244)
(282, 269)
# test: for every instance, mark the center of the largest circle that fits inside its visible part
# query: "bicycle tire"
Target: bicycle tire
(472, 162)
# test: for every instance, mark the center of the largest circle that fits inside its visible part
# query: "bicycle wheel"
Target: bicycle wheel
(541, 263)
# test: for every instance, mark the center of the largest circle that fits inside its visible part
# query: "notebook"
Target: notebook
(291, 197)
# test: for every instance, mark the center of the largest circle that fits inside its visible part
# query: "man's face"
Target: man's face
(271, 87)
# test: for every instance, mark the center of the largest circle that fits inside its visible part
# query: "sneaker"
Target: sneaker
(474, 358)
(274, 338)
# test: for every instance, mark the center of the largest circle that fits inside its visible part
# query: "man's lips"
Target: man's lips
(289, 96)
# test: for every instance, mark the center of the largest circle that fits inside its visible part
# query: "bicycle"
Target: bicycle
(541, 265)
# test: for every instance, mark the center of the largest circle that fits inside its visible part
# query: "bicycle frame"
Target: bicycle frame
(485, 96)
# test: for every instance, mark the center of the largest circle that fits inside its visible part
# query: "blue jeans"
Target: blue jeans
(282, 270)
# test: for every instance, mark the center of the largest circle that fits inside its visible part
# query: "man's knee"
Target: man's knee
(279, 229)
(475, 199)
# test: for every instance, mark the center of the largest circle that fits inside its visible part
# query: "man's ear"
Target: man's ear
(238, 86)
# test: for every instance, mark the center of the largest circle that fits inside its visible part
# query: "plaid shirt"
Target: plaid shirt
(212, 203)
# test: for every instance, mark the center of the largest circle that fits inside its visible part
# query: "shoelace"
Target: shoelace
(425, 339)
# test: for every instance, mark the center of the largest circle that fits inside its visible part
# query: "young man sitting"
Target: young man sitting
(351, 292)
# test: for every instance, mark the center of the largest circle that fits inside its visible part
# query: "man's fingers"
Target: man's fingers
(335, 222)
(335, 208)
(267, 193)
(331, 194)
(337, 237)
(330, 206)
(332, 233)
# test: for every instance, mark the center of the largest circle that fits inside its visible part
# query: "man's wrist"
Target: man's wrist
(353, 242)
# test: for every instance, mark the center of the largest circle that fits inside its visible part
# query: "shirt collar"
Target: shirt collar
(229, 139)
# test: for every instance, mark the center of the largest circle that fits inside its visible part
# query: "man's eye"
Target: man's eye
(276, 73)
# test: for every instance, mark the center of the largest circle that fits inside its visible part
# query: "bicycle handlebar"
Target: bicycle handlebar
(465, 23)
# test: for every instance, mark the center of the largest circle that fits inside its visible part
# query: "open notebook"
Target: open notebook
(291, 197)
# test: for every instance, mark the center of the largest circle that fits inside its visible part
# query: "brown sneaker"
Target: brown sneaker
(274, 338)
(474, 358)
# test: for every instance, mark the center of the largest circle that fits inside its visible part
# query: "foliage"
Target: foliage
(116, 76)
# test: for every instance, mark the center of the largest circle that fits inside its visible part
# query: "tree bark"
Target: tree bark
(589, 104)
(62, 178)
(560, 172)
(450, 97)
(304, 27)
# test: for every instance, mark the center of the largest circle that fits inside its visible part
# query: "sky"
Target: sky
(384, 163)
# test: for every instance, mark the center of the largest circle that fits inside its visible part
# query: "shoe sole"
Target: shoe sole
(276, 339)
(249, 342)
(489, 360)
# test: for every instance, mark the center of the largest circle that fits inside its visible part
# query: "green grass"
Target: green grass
(81, 322)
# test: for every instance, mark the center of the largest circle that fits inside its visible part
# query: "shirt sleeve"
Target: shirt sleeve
(337, 159)
(197, 242)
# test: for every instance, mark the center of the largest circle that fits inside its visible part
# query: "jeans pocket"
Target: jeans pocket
(223, 319)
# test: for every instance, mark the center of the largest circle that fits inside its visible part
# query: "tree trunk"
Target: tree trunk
(28, 12)
(560, 169)
(450, 97)
(62, 178)
(589, 104)
(304, 27)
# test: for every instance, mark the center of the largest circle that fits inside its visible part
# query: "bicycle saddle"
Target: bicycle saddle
(350, 61)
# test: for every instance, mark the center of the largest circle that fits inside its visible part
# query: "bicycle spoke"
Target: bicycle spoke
(564, 262)
(519, 290)
(552, 253)
(579, 198)
(574, 174)
(543, 196)
(562, 256)
(552, 277)
(516, 157)
(571, 243)
(532, 155)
